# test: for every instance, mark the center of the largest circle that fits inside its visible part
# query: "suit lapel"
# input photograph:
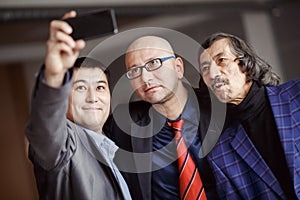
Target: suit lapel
(280, 105)
(142, 145)
(142, 157)
(246, 150)
(287, 130)
(90, 145)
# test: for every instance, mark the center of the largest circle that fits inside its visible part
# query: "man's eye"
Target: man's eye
(80, 88)
(204, 69)
(155, 61)
(101, 87)
(135, 70)
(222, 60)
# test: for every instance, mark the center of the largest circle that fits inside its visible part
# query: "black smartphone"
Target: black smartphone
(93, 24)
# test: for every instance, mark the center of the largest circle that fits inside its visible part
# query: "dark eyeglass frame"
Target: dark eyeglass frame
(146, 67)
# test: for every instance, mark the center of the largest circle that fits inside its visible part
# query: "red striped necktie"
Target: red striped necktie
(190, 183)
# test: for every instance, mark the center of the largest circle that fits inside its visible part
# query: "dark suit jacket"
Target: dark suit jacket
(67, 164)
(132, 126)
(241, 172)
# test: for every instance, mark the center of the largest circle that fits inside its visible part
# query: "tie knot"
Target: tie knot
(176, 125)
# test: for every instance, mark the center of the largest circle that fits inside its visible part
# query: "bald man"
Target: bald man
(156, 75)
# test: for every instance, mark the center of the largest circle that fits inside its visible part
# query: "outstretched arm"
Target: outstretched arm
(46, 128)
(62, 51)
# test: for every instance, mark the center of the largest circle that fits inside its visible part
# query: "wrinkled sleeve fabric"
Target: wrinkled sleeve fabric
(46, 129)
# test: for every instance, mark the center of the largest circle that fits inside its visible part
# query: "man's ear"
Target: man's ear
(179, 67)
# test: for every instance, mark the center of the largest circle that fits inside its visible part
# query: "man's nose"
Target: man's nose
(146, 75)
(214, 70)
(91, 95)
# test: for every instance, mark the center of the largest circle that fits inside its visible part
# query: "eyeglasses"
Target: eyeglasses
(149, 66)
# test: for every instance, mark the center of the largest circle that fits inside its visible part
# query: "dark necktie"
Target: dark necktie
(190, 183)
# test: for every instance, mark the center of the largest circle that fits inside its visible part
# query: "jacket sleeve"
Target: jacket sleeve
(46, 128)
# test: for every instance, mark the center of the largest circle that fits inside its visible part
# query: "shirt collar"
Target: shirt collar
(103, 143)
(191, 111)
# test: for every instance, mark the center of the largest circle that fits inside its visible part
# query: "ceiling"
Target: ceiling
(59, 3)
(24, 24)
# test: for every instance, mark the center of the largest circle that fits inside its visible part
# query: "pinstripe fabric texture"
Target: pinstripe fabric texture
(240, 171)
(190, 183)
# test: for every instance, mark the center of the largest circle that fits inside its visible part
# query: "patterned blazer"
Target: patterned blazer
(240, 171)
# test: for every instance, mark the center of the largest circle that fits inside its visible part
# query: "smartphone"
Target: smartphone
(93, 24)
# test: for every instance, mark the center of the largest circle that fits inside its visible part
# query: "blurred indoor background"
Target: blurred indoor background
(272, 27)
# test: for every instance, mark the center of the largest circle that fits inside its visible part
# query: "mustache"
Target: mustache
(219, 79)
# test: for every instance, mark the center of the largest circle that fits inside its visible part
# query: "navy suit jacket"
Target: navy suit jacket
(135, 135)
(240, 171)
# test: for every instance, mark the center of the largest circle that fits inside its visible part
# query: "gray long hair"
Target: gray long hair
(255, 67)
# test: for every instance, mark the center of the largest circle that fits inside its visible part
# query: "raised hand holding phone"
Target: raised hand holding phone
(66, 39)
(62, 50)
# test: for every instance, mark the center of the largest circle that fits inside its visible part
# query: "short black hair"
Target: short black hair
(88, 62)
